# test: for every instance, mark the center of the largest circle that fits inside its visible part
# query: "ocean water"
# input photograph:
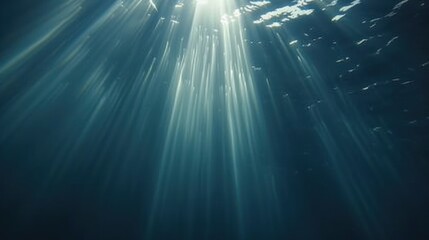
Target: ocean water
(214, 119)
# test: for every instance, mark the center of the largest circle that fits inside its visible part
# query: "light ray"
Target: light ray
(214, 122)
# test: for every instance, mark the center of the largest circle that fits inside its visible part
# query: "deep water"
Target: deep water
(214, 120)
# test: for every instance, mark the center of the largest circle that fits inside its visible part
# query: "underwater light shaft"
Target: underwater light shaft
(215, 131)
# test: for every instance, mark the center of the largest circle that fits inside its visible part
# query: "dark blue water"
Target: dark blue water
(214, 119)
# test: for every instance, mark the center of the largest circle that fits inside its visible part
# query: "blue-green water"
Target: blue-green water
(214, 119)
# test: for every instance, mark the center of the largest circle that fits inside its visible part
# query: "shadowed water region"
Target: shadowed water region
(204, 119)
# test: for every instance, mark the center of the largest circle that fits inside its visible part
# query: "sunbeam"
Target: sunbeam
(215, 132)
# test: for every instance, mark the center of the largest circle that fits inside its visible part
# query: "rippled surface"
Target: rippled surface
(222, 119)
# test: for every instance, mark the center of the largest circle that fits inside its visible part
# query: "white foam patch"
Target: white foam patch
(348, 7)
